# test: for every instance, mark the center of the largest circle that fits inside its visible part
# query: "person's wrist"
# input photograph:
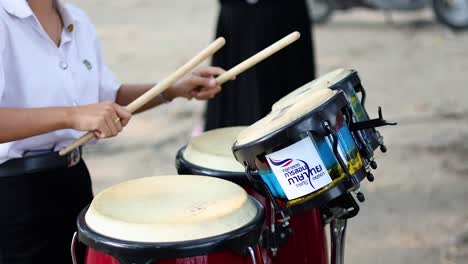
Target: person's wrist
(70, 117)
(169, 94)
(163, 98)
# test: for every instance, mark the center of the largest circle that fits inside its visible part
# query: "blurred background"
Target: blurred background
(416, 211)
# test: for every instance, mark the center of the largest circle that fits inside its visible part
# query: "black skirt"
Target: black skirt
(249, 28)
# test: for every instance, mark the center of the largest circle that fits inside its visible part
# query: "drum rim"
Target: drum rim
(243, 153)
(352, 77)
(203, 170)
(138, 251)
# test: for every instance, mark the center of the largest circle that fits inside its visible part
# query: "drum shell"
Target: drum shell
(308, 241)
(368, 140)
(95, 257)
(323, 145)
(310, 125)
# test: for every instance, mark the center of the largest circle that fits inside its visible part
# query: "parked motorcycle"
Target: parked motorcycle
(452, 13)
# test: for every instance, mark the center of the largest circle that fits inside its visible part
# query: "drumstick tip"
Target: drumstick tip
(221, 40)
(296, 35)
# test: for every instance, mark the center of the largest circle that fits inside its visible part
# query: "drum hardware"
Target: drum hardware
(280, 229)
(342, 207)
(252, 255)
(330, 129)
(371, 123)
(73, 247)
(348, 113)
(338, 236)
(276, 236)
(337, 214)
(370, 177)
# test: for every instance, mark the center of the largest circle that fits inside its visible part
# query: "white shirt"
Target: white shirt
(34, 72)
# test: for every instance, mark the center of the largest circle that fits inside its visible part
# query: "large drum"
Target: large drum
(303, 153)
(210, 154)
(348, 81)
(172, 219)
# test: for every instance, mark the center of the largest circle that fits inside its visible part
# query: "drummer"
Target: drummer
(54, 84)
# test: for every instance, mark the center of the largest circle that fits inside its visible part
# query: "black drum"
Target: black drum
(304, 153)
(367, 138)
(210, 154)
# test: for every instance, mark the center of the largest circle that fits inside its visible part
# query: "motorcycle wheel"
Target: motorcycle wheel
(452, 13)
(320, 10)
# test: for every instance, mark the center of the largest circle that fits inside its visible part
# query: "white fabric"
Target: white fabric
(35, 73)
(170, 208)
(212, 150)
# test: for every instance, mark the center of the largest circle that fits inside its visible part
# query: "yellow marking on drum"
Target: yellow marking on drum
(353, 166)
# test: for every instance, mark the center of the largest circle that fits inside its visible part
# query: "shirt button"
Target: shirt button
(70, 28)
(63, 65)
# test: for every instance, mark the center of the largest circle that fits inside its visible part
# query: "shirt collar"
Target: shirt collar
(18, 8)
(67, 16)
(21, 9)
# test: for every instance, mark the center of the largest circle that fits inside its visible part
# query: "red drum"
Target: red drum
(210, 154)
(172, 219)
(225, 257)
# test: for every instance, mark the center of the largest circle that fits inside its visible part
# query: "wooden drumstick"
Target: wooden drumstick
(255, 59)
(157, 89)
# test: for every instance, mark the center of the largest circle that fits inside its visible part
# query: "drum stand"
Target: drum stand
(344, 207)
(337, 237)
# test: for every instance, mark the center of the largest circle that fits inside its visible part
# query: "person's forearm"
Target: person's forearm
(129, 92)
(21, 123)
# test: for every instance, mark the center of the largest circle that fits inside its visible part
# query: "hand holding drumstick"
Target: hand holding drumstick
(107, 119)
(187, 87)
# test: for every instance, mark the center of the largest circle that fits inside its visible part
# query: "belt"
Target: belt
(39, 163)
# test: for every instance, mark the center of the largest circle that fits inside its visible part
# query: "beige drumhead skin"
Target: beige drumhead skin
(323, 82)
(212, 150)
(284, 116)
(170, 208)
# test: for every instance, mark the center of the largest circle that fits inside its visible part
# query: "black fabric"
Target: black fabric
(33, 164)
(249, 29)
(38, 214)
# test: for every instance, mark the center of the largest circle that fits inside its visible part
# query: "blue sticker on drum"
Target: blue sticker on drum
(299, 169)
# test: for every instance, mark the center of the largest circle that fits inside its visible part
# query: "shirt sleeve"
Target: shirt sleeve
(108, 84)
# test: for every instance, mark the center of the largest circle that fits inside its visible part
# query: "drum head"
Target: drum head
(323, 82)
(212, 150)
(170, 208)
(284, 116)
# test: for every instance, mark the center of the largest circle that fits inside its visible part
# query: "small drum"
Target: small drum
(172, 219)
(304, 153)
(348, 81)
(210, 154)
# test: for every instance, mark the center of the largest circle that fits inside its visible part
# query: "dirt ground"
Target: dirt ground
(416, 211)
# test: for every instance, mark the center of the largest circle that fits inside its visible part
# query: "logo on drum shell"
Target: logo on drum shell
(282, 163)
(299, 172)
